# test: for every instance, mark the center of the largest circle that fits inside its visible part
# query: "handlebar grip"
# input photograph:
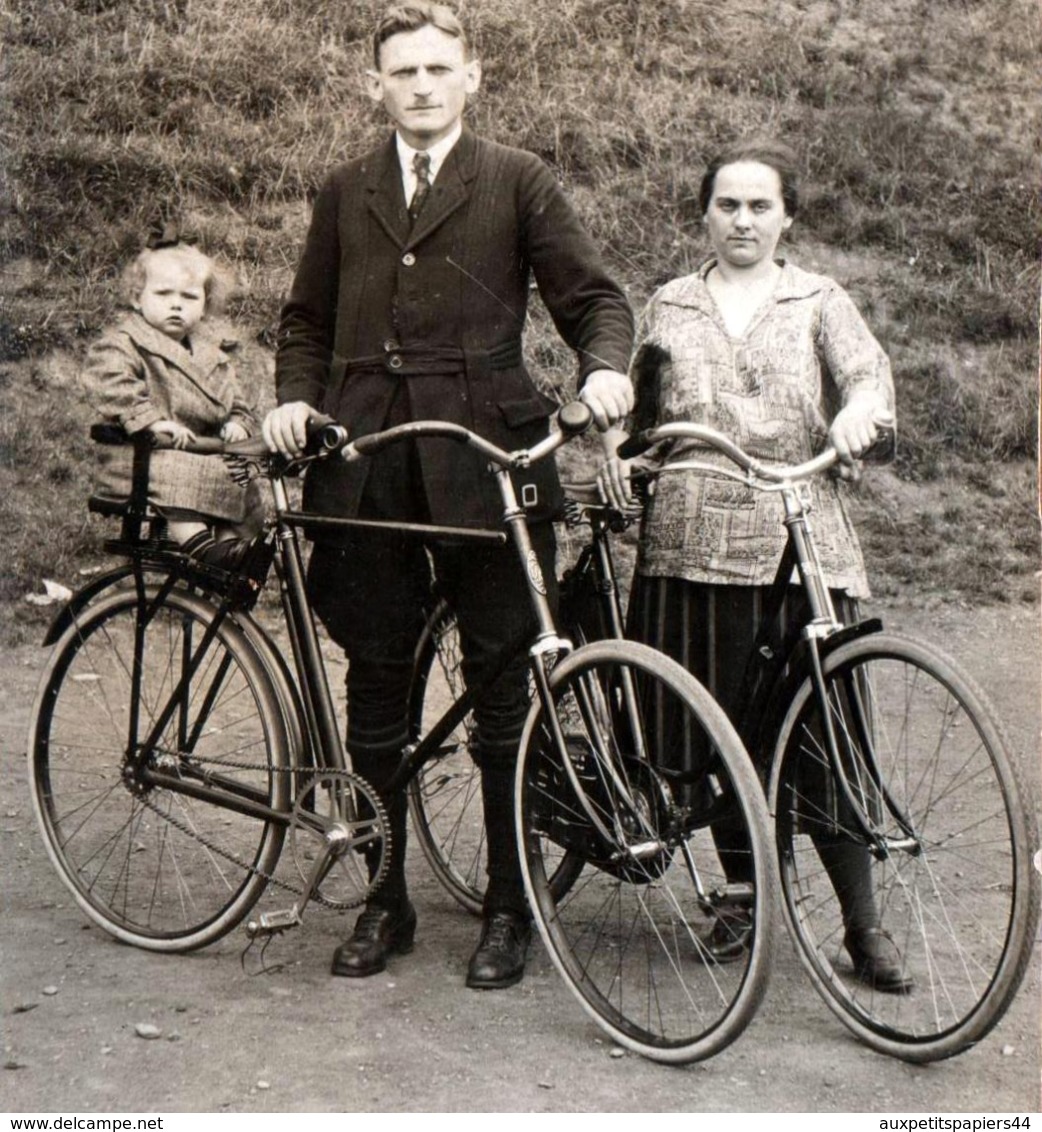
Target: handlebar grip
(327, 435)
(636, 445)
(108, 432)
(574, 418)
(882, 451)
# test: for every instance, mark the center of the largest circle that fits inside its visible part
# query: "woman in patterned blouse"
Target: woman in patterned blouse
(780, 360)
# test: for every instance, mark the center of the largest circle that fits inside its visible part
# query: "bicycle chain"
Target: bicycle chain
(267, 877)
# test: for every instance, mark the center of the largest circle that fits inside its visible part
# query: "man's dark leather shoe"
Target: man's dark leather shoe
(499, 960)
(877, 960)
(379, 932)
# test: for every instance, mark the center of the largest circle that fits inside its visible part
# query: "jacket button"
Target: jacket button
(390, 346)
(408, 259)
(395, 361)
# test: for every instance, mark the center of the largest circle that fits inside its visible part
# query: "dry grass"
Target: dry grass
(915, 117)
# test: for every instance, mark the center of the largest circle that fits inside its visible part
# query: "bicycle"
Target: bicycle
(915, 767)
(174, 749)
(445, 796)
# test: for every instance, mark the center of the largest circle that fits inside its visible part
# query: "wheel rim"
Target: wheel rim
(445, 797)
(951, 895)
(630, 935)
(155, 866)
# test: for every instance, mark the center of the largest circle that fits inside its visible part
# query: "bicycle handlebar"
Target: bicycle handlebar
(640, 442)
(572, 419)
(326, 437)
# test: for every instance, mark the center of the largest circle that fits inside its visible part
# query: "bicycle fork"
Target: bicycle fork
(856, 719)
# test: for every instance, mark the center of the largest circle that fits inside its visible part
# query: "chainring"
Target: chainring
(340, 807)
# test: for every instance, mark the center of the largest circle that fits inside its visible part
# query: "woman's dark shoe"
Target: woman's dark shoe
(728, 939)
(499, 960)
(225, 554)
(877, 960)
(379, 932)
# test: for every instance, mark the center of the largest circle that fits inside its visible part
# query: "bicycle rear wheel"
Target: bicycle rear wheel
(168, 869)
(630, 936)
(445, 795)
(954, 884)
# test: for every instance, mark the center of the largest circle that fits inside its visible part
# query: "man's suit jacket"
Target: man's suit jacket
(441, 308)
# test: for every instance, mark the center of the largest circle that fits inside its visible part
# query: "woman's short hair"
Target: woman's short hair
(774, 154)
(216, 285)
(412, 17)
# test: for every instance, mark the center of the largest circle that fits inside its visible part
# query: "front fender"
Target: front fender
(762, 735)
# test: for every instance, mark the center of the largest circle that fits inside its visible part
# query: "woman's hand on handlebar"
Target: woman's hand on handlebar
(856, 426)
(609, 396)
(285, 429)
(613, 477)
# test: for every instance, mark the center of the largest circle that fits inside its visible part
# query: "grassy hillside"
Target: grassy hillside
(916, 120)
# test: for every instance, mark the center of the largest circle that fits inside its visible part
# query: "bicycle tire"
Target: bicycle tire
(157, 868)
(445, 795)
(629, 936)
(961, 902)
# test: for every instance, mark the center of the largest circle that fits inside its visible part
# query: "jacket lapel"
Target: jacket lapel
(384, 196)
(386, 201)
(451, 187)
(196, 364)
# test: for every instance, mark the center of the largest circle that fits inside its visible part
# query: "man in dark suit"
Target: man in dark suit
(408, 304)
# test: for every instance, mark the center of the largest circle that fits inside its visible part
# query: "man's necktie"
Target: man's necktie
(421, 164)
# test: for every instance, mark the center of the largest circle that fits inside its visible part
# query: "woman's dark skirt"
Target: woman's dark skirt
(711, 631)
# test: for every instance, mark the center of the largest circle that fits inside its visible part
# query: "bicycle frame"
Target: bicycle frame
(764, 693)
(305, 683)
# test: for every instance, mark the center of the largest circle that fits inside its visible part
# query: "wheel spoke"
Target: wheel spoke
(631, 936)
(148, 863)
(952, 885)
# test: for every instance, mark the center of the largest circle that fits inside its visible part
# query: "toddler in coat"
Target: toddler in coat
(153, 373)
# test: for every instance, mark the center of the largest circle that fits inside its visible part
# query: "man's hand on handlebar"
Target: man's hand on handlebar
(285, 429)
(609, 396)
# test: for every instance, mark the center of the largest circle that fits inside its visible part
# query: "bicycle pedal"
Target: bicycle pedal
(271, 923)
(736, 895)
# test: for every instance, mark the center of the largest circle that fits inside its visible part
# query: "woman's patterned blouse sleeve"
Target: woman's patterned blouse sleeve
(853, 357)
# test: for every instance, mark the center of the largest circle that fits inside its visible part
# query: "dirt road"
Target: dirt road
(414, 1039)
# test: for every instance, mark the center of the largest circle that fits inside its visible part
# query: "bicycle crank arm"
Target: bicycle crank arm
(337, 842)
(739, 894)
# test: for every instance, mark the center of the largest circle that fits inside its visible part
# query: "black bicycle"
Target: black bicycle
(175, 748)
(445, 795)
(882, 741)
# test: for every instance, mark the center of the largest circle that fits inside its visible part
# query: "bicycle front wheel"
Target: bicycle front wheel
(136, 689)
(951, 864)
(633, 936)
